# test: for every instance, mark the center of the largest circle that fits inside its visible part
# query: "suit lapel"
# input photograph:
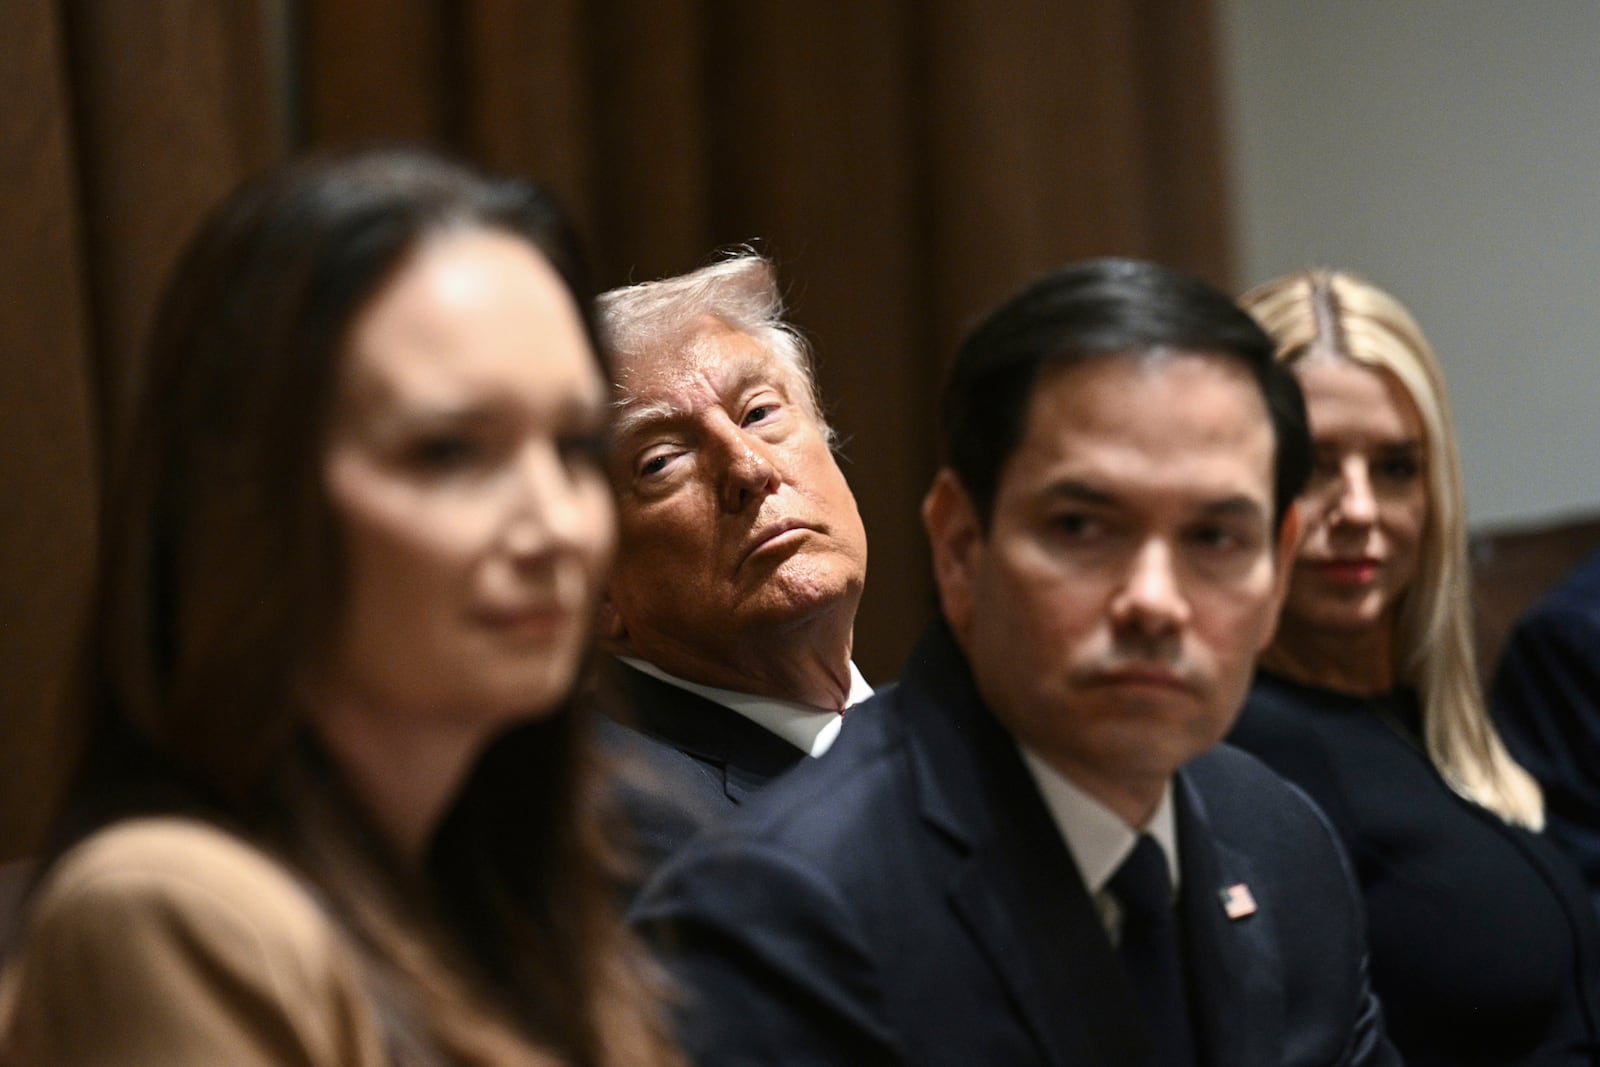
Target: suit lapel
(748, 755)
(1011, 880)
(1234, 963)
(1044, 939)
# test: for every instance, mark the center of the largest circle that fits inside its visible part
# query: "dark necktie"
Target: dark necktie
(1149, 950)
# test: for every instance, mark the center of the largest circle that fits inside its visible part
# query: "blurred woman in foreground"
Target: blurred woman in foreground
(359, 531)
(1483, 948)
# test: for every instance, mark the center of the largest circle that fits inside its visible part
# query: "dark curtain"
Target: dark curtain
(907, 162)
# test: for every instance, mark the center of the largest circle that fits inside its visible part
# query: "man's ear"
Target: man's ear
(608, 624)
(1288, 546)
(955, 537)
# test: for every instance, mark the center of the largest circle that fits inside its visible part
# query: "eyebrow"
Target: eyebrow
(1233, 506)
(633, 415)
(1083, 493)
(1239, 506)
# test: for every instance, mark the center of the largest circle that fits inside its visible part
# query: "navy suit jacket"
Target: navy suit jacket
(908, 899)
(1546, 700)
(684, 761)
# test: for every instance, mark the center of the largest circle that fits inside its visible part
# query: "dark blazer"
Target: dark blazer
(908, 900)
(1546, 702)
(683, 761)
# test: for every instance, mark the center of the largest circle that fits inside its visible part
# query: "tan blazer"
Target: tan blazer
(167, 941)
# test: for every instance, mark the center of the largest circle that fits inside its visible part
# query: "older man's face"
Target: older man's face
(736, 524)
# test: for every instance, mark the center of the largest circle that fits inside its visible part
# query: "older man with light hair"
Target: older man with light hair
(741, 557)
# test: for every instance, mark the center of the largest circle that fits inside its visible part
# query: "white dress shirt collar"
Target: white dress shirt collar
(809, 729)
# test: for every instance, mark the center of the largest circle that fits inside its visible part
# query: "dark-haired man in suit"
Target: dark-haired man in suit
(741, 554)
(1034, 850)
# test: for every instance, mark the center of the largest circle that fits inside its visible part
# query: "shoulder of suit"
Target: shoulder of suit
(643, 761)
(824, 798)
(1281, 719)
(1228, 763)
(1237, 786)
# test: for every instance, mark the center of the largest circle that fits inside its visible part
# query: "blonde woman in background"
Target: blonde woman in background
(1483, 948)
(360, 530)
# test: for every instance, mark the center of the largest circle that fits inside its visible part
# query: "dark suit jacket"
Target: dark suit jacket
(683, 761)
(1546, 701)
(908, 900)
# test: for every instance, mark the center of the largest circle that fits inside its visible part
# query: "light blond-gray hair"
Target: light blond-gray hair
(739, 292)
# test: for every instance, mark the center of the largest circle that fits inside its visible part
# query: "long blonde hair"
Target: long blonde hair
(1342, 313)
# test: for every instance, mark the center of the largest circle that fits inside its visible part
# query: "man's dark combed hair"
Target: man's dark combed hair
(1099, 308)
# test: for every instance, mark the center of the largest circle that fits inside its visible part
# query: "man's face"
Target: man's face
(1128, 578)
(736, 525)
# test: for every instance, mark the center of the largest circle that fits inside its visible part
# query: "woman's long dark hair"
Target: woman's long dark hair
(221, 581)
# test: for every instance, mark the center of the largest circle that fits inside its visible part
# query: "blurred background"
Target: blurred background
(907, 162)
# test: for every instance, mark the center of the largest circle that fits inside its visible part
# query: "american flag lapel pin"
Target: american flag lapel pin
(1237, 901)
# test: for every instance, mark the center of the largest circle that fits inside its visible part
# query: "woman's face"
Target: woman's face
(1367, 504)
(463, 469)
